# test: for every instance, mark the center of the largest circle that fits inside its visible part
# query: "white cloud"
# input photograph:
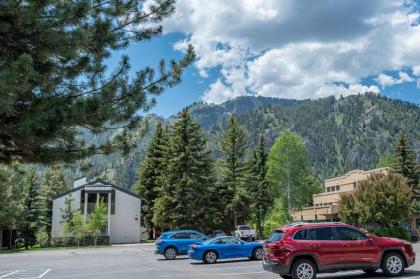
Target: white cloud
(298, 49)
(387, 80)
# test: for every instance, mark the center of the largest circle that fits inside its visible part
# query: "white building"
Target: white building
(123, 209)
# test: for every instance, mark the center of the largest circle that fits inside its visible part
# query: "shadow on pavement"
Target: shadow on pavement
(176, 259)
(225, 262)
(377, 275)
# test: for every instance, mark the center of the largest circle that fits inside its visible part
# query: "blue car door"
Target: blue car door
(233, 247)
(181, 241)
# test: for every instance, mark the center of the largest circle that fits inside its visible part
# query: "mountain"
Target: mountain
(340, 135)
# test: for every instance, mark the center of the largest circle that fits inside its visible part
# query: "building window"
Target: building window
(337, 188)
(91, 202)
(82, 201)
(103, 197)
(328, 189)
(113, 201)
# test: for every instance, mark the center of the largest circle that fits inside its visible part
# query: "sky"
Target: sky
(287, 49)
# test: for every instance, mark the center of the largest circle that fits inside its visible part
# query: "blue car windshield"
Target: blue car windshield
(210, 240)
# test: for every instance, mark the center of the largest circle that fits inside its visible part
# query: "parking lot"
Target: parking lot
(138, 261)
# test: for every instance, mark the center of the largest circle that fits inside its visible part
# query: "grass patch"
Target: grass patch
(38, 248)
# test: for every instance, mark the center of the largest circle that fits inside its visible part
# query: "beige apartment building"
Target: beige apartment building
(325, 205)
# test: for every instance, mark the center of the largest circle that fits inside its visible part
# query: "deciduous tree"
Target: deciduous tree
(289, 171)
(382, 198)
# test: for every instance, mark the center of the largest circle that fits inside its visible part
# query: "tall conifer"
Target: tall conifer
(404, 162)
(186, 184)
(234, 147)
(151, 170)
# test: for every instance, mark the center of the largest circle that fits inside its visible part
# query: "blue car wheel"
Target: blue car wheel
(170, 253)
(210, 257)
(258, 253)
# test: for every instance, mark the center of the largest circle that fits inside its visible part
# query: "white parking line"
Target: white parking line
(43, 274)
(25, 274)
(11, 273)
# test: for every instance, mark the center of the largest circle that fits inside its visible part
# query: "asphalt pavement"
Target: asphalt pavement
(139, 262)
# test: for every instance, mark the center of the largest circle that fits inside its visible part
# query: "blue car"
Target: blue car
(225, 247)
(173, 243)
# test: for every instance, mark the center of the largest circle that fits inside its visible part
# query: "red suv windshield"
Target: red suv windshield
(275, 236)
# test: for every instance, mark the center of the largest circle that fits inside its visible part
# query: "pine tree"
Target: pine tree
(54, 78)
(29, 184)
(67, 215)
(185, 186)
(151, 170)
(404, 160)
(54, 184)
(234, 148)
(258, 188)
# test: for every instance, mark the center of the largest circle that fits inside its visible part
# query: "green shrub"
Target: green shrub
(276, 217)
(397, 232)
(42, 238)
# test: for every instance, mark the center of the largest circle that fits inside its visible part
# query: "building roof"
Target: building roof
(97, 183)
(352, 172)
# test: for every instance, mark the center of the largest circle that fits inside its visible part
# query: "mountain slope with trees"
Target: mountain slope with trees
(339, 134)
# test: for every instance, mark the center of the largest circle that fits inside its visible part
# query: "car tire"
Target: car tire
(170, 253)
(393, 264)
(210, 257)
(304, 269)
(258, 254)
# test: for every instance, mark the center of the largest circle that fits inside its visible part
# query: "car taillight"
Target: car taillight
(194, 246)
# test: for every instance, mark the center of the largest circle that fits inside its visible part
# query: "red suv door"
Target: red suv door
(325, 245)
(357, 248)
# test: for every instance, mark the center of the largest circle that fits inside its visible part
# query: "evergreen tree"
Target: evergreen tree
(53, 77)
(54, 184)
(151, 170)
(289, 171)
(29, 183)
(233, 147)
(9, 201)
(67, 215)
(405, 162)
(185, 186)
(258, 188)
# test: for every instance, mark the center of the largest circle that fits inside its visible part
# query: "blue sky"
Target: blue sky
(287, 49)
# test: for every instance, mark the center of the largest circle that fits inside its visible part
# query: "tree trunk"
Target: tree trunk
(1, 238)
(10, 239)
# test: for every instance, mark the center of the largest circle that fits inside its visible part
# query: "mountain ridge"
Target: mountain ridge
(340, 134)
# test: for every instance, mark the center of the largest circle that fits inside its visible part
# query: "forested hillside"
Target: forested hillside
(340, 135)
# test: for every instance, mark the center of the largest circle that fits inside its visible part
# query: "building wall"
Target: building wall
(325, 205)
(57, 229)
(125, 223)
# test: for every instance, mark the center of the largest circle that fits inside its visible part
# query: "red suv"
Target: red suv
(300, 251)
